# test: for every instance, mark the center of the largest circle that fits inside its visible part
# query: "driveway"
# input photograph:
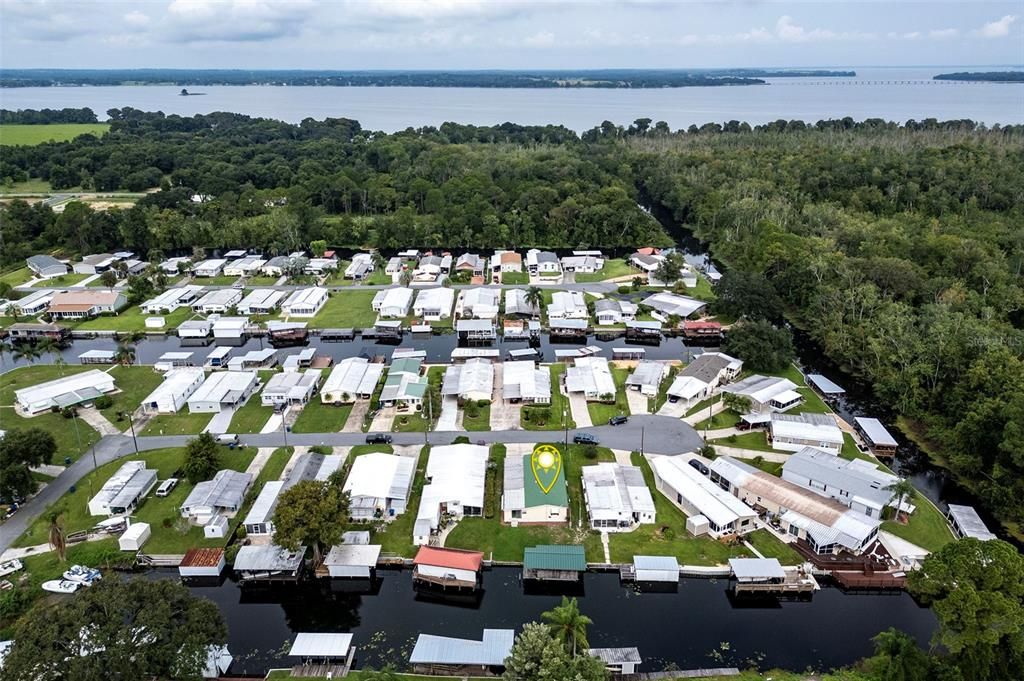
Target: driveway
(504, 415)
(580, 413)
(354, 424)
(704, 414)
(449, 418)
(383, 420)
(637, 401)
(98, 421)
(220, 422)
(674, 410)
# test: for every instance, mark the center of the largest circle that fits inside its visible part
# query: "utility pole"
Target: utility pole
(131, 424)
(642, 440)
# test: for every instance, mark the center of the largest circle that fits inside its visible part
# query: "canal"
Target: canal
(698, 625)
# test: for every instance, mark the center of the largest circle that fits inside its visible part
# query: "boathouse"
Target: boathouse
(879, 440)
(554, 563)
(618, 661)
(463, 657)
(447, 568)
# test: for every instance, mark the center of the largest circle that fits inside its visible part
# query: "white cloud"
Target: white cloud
(999, 28)
(136, 18)
(911, 35)
(943, 33)
(540, 39)
(194, 21)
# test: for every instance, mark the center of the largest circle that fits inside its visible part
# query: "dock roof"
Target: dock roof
(875, 432)
(555, 557)
(824, 385)
(458, 559)
(321, 645)
(747, 569)
(491, 650)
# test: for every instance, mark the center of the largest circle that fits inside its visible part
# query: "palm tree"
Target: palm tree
(901, 489)
(5, 349)
(26, 351)
(47, 346)
(405, 277)
(60, 363)
(568, 624)
(125, 354)
(56, 537)
(534, 297)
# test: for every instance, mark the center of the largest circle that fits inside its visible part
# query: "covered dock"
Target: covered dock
(879, 440)
(459, 656)
(618, 661)
(651, 569)
(554, 563)
(967, 523)
(447, 568)
(825, 387)
(766, 575)
(97, 357)
(323, 655)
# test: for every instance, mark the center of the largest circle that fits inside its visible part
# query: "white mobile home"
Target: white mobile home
(793, 432)
(290, 387)
(473, 380)
(391, 303)
(698, 380)
(859, 484)
(46, 266)
(124, 490)
(305, 302)
(171, 395)
(647, 376)
(568, 305)
(231, 328)
(617, 497)
(697, 495)
(591, 376)
(63, 392)
(218, 301)
(766, 393)
(223, 390)
(244, 267)
(352, 378)
(171, 299)
(434, 304)
(524, 381)
(224, 494)
(478, 303)
(455, 486)
(209, 268)
(379, 484)
(260, 301)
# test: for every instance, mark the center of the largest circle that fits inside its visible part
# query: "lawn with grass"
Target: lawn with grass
(600, 412)
(480, 419)
(703, 405)
(613, 269)
(317, 417)
(69, 279)
(15, 134)
(770, 467)
(515, 278)
(261, 281)
(726, 418)
(703, 290)
(410, 421)
(557, 410)
(251, 417)
(668, 535)
(133, 319)
(396, 538)
(182, 423)
(272, 469)
(756, 440)
(769, 546)
(927, 527)
(134, 384)
(359, 450)
(348, 309)
(663, 387)
(219, 280)
(33, 185)
(24, 377)
(17, 277)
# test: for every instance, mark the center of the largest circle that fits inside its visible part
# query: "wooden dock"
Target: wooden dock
(881, 581)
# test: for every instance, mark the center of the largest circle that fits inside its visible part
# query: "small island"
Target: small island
(186, 93)
(984, 76)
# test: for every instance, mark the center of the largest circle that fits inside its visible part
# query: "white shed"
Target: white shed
(352, 560)
(216, 527)
(697, 525)
(134, 537)
(656, 569)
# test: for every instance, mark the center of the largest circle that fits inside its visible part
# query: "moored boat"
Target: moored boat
(61, 586)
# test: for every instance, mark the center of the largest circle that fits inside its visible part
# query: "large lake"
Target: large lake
(896, 94)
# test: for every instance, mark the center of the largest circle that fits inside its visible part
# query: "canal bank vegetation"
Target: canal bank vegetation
(897, 249)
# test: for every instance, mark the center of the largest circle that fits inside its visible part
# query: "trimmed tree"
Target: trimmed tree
(312, 513)
(202, 458)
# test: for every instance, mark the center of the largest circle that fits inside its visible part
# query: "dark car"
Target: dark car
(699, 465)
(617, 420)
(584, 439)
(378, 439)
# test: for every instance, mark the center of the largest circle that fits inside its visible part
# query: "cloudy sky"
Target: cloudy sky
(467, 34)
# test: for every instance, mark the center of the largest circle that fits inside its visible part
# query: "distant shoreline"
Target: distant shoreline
(983, 76)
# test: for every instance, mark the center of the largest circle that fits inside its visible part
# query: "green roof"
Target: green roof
(418, 389)
(406, 364)
(535, 496)
(555, 557)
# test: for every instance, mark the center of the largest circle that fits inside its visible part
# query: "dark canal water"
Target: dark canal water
(697, 626)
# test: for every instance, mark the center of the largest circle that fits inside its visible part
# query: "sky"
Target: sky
(506, 34)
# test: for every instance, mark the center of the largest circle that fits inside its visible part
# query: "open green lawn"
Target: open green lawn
(504, 542)
(24, 377)
(134, 383)
(927, 527)
(703, 405)
(703, 290)
(219, 280)
(556, 411)
(770, 547)
(34, 185)
(409, 421)
(481, 419)
(317, 417)
(600, 412)
(17, 277)
(261, 281)
(133, 319)
(74, 513)
(668, 536)
(251, 417)
(182, 423)
(723, 419)
(272, 469)
(613, 269)
(770, 467)
(515, 278)
(69, 279)
(756, 439)
(12, 134)
(346, 310)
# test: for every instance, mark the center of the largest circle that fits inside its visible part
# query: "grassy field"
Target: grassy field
(723, 419)
(613, 268)
(16, 277)
(219, 280)
(31, 135)
(346, 310)
(770, 467)
(261, 281)
(757, 440)
(69, 279)
(169, 536)
(24, 377)
(770, 547)
(133, 319)
(504, 542)
(559, 406)
(600, 412)
(926, 527)
(668, 536)
(482, 420)
(251, 417)
(135, 383)
(703, 405)
(515, 278)
(182, 423)
(317, 417)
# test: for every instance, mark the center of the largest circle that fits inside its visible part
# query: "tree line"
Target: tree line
(46, 116)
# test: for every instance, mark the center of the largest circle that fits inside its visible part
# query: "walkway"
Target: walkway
(638, 402)
(259, 461)
(580, 413)
(354, 423)
(741, 453)
(705, 413)
(449, 418)
(98, 421)
(383, 420)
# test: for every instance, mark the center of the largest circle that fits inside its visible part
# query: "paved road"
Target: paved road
(658, 434)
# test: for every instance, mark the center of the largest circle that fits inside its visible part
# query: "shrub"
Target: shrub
(625, 289)
(590, 452)
(104, 402)
(68, 412)
(320, 449)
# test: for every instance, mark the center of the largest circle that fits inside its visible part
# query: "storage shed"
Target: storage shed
(134, 537)
(656, 569)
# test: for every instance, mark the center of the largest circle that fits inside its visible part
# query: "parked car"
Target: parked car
(378, 439)
(227, 439)
(584, 439)
(166, 487)
(699, 465)
(618, 420)
(673, 398)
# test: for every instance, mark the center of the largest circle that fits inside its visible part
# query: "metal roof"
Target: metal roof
(753, 569)
(522, 489)
(824, 385)
(555, 557)
(321, 645)
(647, 372)
(97, 354)
(613, 490)
(811, 468)
(969, 522)
(616, 656)
(262, 510)
(820, 427)
(378, 475)
(492, 650)
(760, 388)
(672, 304)
(268, 558)
(226, 490)
(360, 555)
(710, 500)
(655, 563)
(874, 431)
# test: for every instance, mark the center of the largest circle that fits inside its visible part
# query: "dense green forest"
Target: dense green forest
(900, 248)
(984, 76)
(561, 78)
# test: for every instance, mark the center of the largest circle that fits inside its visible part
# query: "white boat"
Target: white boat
(61, 586)
(10, 566)
(82, 574)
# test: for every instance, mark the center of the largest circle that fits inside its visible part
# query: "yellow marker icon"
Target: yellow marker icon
(546, 464)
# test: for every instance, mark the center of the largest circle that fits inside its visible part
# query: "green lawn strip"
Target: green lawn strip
(374, 402)
(134, 383)
(317, 417)
(219, 280)
(481, 420)
(757, 439)
(666, 383)
(17, 134)
(668, 535)
(770, 467)
(69, 279)
(926, 527)
(723, 419)
(359, 450)
(74, 437)
(515, 278)
(703, 290)
(346, 310)
(251, 417)
(703, 405)
(559, 406)
(770, 546)
(613, 269)
(261, 281)
(25, 377)
(133, 319)
(182, 423)
(273, 468)
(409, 421)
(396, 538)
(600, 412)
(17, 277)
